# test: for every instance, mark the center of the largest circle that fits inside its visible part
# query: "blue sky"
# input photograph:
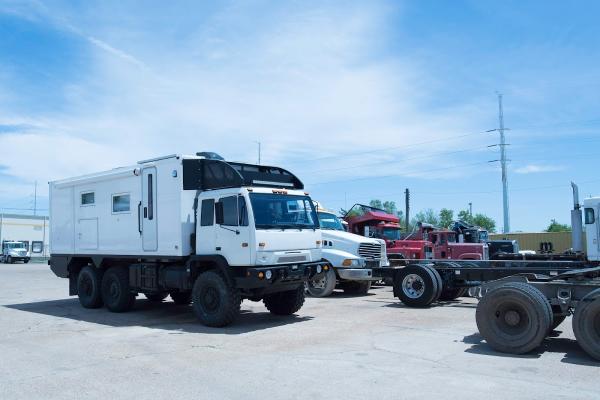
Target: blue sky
(360, 99)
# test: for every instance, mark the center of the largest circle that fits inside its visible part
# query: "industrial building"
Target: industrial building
(31, 229)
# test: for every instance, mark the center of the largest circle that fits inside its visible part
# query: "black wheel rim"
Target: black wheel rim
(512, 319)
(209, 297)
(86, 285)
(114, 291)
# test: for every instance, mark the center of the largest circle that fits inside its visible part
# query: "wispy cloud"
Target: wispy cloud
(534, 169)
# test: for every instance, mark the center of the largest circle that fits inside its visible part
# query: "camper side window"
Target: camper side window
(121, 203)
(207, 213)
(230, 214)
(37, 247)
(87, 198)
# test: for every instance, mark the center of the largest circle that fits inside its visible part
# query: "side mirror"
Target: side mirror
(219, 213)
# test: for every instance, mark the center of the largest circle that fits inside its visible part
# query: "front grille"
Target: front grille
(370, 251)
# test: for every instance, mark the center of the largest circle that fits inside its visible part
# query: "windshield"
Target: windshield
(391, 233)
(15, 245)
(283, 211)
(330, 221)
(483, 236)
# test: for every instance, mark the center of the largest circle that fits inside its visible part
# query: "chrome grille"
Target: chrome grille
(285, 259)
(370, 251)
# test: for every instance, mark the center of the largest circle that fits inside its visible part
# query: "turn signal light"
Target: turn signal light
(262, 244)
(326, 268)
(261, 275)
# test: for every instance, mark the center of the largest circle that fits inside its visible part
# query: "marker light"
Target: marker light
(326, 267)
(261, 275)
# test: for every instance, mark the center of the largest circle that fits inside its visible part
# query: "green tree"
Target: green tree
(465, 216)
(557, 227)
(446, 217)
(485, 222)
(428, 216)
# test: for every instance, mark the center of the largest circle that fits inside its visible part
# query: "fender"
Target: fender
(470, 256)
(206, 261)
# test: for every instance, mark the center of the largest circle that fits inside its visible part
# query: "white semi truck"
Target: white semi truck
(197, 228)
(351, 257)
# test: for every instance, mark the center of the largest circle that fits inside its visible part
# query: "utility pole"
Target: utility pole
(502, 145)
(258, 143)
(407, 207)
(471, 209)
(35, 199)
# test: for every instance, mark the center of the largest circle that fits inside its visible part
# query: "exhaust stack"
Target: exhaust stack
(576, 226)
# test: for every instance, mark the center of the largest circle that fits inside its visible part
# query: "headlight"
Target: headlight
(357, 262)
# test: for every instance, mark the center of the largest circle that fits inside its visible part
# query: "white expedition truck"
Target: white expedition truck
(14, 251)
(351, 256)
(197, 228)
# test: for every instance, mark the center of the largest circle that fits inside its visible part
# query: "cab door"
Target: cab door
(233, 232)
(205, 229)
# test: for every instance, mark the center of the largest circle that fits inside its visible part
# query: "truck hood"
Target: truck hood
(287, 246)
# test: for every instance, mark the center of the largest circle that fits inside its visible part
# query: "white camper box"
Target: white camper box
(195, 228)
(119, 212)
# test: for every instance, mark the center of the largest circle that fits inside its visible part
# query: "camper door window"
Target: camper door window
(87, 198)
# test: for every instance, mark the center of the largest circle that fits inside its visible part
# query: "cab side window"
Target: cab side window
(230, 210)
(590, 218)
(207, 212)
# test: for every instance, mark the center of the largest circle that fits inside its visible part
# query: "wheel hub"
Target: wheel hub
(210, 299)
(114, 290)
(413, 286)
(512, 318)
(319, 283)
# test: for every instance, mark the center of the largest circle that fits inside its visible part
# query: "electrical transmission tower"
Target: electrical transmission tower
(503, 160)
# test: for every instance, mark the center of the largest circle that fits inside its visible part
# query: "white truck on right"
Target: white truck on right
(351, 256)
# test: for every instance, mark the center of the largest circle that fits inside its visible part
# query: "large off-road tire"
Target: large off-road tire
(116, 294)
(514, 318)
(89, 282)
(285, 303)
(452, 294)
(181, 298)
(416, 286)
(156, 297)
(586, 324)
(323, 286)
(215, 302)
(356, 288)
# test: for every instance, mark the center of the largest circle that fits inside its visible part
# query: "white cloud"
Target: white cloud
(534, 169)
(306, 84)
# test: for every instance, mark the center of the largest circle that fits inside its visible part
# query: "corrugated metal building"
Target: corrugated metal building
(560, 241)
(32, 229)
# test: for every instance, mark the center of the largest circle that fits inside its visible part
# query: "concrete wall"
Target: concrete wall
(25, 228)
(561, 241)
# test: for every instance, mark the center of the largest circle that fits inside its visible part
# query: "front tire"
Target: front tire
(285, 303)
(514, 318)
(417, 286)
(115, 290)
(215, 302)
(89, 287)
(9, 260)
(322, 287)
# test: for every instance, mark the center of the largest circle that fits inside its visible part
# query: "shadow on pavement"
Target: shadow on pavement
(553, 344)
(166, 315)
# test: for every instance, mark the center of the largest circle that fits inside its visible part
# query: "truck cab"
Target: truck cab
(446, 246)
(351, 257)
(591, 212)
(13, 251)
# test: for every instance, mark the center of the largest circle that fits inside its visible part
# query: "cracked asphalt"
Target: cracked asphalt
(339, 347)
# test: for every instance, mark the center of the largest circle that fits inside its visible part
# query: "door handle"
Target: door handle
(145, 212)
(139, 217)
(218, 248)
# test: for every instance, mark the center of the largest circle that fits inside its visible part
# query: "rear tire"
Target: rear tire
(514, 318)
(215, 302)
(9, 260)
(181, 298)
(89, 282)
(156, 297)
(116, 293)
(586, 324)
(416, 286)
(357, 288)
(322, 287)
(285, 303)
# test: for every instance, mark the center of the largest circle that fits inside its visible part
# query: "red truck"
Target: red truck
(425, 242)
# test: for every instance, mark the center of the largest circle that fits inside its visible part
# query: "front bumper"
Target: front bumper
(281, 275)
(355, 274)
(17, 258)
